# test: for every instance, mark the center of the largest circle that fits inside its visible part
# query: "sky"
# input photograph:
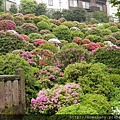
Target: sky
(18, 1)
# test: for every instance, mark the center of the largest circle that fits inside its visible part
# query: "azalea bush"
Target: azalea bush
(106, 32)
(6, 16)
(34, 36)
(110, 38)
(116, 35)
(56, 22)
(48, 36)
(7, 25)
(43, 25)
(9, 41)
(69, 24)
(49, 76)
(77, 33)
(38, 42)
(70, 56)
(77, 40)
(62, 32)
(28, 28)
(18, 20)
(108, 56)
(42, 32)
(49, 101)
(113, 28)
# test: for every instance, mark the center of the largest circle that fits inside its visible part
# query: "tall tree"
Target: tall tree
(28, 6)
(13, 8)
(1, 5)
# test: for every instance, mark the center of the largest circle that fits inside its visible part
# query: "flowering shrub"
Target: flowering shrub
(74, 29)
(94, 31)
(56, 22)
(9, 41)
(77, 40)
(38, 42)
(86, 41)
(62, 20)
(110, 38)
(116, 35)
(62, 32)
(50, 100)
(42, 32)
(108, 56)
(77, 33)
(6, 17)
(7, 25)
(48, 36)
(69, 24)
(49, 76)
(34, 36)
(113, 28)
(42, 57)
(28, 28)
(43, 25)
(18, 20)
(25, 54)
(25, 37)
(63, 42)
(94, 38)
(70, 56)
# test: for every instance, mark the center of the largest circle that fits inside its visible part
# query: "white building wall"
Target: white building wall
(112, 11)
(57, 4)
(8, 4)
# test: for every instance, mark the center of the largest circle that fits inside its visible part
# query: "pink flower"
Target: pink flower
(51, 77)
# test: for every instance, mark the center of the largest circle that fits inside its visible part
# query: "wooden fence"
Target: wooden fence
(12, 90)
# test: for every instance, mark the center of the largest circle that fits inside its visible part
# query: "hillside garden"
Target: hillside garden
(82, 78)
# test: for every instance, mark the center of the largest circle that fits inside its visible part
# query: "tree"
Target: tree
(116, 3)
(41, 9)
(1, 6)
(13, 8)
(28, 6)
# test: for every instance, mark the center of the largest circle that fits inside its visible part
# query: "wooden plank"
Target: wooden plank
(9, 94)
(15, 92)
(2, 95)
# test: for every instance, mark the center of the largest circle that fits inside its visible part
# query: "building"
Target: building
(8, 4)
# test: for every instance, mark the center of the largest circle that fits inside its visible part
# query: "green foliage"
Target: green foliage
(10, 62)
(69, 24)
(106, 25)
(18, 20)
(96, 101)
(113, 28)
(108, 56)
(41, 9)
(62, 32)
(6, 16)
(77, 109)
(1, 5)
(34, 36)
(110, 38)
(77, 33)
(116, 35)
(28, 28)
(101, 16)
(70, 56)
(48, 36)
(9, 42)
(13, 8)
(43, 25)
(94, 21)
(106, 32)
(94, 38)
(69, 46)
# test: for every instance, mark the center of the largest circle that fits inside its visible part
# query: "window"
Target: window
(86, 5)
(72, 3)
(50, 2)
(100, 6)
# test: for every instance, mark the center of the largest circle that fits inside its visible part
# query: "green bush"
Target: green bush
(106, 32)
(43, 25)
(48, 36)
(115, 107)
(94, 31)
(94, 21)
(77, 33)
(106, 25)
(110, 38)
(42, 32)
(63, 42)
(18, 20)
(113, 28)
(108, 56)
(10, 41)
(34, 36)
(10, 62)
(70, 45)
(28, 28)
(91, 77)
(94, 38)
(69, 24)
(62, 32)
(116, 35)
(70, 56)
(96, 101)
(77, 109)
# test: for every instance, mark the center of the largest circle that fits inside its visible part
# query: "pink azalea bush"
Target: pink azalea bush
(26, 55)
(56, 22)
(6, 17)
(48, 101)
(39, 42)
(7, 25)
(77, 40)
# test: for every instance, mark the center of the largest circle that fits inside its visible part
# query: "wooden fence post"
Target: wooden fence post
(20, 72)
